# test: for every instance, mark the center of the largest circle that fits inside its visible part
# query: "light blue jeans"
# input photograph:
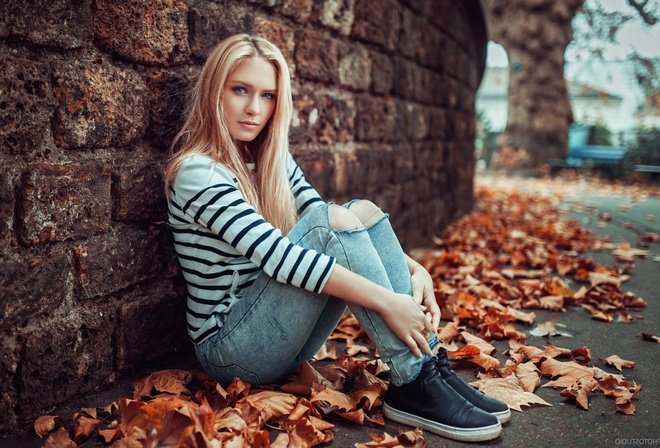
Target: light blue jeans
(275, 327)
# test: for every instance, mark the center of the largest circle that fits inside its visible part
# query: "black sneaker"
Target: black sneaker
(430, 403)
(489, 404)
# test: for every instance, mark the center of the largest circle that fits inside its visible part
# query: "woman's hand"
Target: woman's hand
(422, 291)
(407, 320)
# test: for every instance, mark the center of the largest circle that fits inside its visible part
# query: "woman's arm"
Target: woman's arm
(398, 311)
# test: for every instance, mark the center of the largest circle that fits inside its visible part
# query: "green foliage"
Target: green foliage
(600, 134)
(646, 151)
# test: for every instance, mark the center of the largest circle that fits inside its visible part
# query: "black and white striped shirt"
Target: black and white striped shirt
(222, 243)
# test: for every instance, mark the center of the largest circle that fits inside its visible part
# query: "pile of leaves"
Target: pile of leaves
(515, 253)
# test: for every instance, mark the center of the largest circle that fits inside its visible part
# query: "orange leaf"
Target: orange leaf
(405, 439)
(60, 439)
(44, 425)
(483, 346)
(567, 373)
(579, 392)
(83, 426)
(651, 338)
(619, 363)
(165, 381)
(509, 390)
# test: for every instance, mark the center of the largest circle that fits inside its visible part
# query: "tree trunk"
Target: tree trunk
(535, 34)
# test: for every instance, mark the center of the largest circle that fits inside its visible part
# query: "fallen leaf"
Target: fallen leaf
(60, 439)
(650, 337)
(580, 393)
(548, 329)
(44, 425)
(473, 354)
(619, 363)
(405, 439)
(510, 391)
(627, 253)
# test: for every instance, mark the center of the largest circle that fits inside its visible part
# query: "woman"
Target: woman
(270, 267)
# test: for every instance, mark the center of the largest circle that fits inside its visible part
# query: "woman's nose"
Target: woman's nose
(252, 107)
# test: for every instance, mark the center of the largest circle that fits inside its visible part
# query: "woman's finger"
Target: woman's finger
(422, 342)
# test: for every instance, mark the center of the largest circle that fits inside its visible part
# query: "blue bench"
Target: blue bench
(581, 155)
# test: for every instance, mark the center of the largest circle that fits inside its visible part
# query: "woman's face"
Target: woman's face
(249, 98)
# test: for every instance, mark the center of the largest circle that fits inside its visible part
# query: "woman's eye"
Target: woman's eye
(269, 96)
(239, 90)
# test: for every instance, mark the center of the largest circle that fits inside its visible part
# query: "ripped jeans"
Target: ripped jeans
(275, 327)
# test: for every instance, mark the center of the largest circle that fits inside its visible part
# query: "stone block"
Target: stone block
(118, 259)
(382, 73)
(413, 119)
(210, 23)
(336, 14)
(63, 24)
(437, 120)
(282, 36)
(377, 21)
(440, 16)
(375, 118)
(8, 398)
(150, 327)
(138, 189)
(98, 105)
(325, 116)
(34, 283)
(152, 32)
(318, 165)
(27, 104)
(317, 57)
(62, 358)
(404, 166)
(60, 202)
(355, 67)
(412, 36)
(7, 207)
(298, 10)
(167, 105)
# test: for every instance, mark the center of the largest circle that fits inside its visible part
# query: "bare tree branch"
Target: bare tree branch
(648, 16)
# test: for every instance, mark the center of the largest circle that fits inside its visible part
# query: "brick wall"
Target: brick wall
(91, 93)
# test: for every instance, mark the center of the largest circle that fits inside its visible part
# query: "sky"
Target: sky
(634, 34)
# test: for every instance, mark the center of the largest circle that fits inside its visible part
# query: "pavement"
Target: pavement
(563, 424)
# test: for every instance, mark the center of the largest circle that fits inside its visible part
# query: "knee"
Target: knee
(341, 218)
(366, 211)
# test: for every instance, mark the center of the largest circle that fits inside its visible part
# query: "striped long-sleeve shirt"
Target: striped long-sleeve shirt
(222, 243)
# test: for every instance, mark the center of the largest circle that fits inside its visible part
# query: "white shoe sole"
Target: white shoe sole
(503, 416)
(451, 432)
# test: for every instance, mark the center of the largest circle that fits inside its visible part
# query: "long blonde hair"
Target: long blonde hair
(205, 130)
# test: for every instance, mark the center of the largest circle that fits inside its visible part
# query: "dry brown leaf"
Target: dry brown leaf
(328, 351)
(60, 439)
(619, 363)
(650, 337)
(482, 345)
(580, 393)
(625, 252)
(83, 427)
(510, 391)
(566, 373)
(548, 329)
(405, 439)
(474, 355)
(528, 375)
(622, 391)
(166, 381)
(44, 425)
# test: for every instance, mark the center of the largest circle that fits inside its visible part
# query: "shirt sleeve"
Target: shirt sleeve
(307, 198)
(207, 192)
